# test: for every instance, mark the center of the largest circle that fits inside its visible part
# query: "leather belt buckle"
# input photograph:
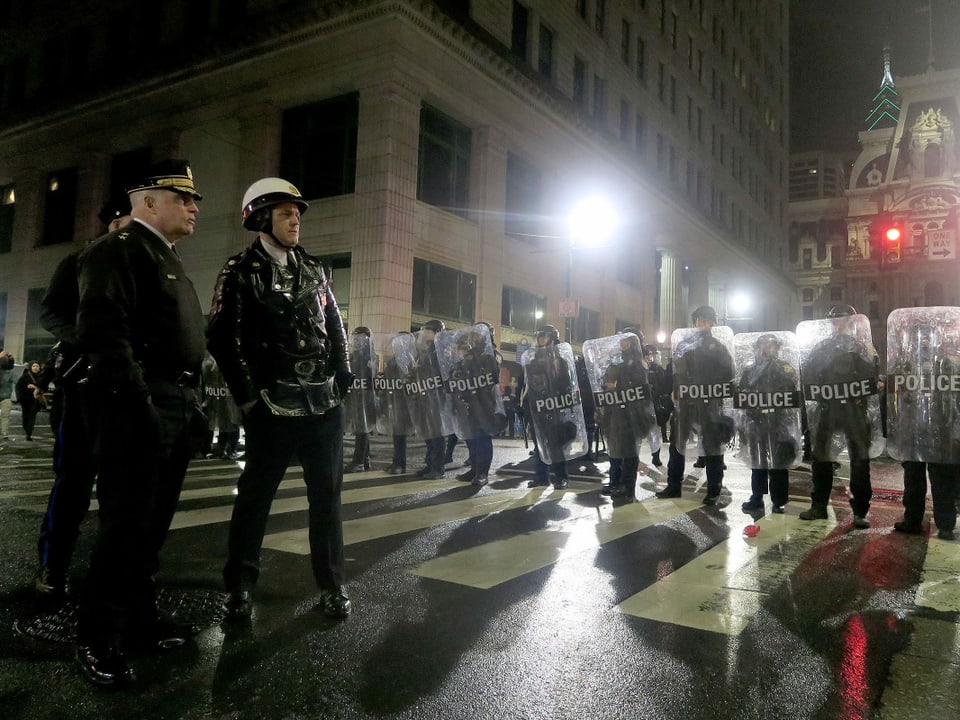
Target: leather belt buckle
(305, 368)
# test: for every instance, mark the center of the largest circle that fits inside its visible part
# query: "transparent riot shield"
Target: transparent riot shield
(622, 394)
(427, 397)
(360, 404)
(839, 372)
(703, 389)
(472, 375)
(389, 385)
(552, 398)
(767, 400)
(923, 384)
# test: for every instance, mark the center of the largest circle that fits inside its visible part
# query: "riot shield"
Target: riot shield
(767, 400)
(838, 375)
(622, 394)
(703, 389)
(472, 375)
(923, 384)
(428, 400)
(360, 404)
(389, 385)
(552, 399)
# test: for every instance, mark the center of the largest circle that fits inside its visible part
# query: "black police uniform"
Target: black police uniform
(73, 461)
(769, 438)
(277, 335)
(626, 424)
(839, 359)
(548, 376)
(140, 323)
(478, 416)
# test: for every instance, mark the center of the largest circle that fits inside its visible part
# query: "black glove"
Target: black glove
(344, 380)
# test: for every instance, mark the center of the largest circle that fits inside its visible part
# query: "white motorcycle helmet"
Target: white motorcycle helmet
(263, 195)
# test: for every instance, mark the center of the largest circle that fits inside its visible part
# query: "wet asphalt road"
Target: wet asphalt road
(504, 602)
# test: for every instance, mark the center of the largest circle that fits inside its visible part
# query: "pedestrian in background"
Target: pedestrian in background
(140, 324)
(7, 384)
(277, 335)
(29, 395)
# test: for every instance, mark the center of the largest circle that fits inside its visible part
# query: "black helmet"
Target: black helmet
(361, 330)
(434, 326)
(841, 311)
(263, 195)
(704, 312)
(650, 350)
(636, 331)
(548, 330)
(116, 207)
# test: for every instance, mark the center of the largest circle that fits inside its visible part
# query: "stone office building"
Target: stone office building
(441, 145)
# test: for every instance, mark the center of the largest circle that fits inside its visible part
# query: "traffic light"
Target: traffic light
(890, 237)
(886, 235)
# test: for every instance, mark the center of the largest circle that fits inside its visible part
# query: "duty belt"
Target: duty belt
(180, 378)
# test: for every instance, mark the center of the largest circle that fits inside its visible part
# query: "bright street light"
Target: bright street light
(592, 221)
(738, 305)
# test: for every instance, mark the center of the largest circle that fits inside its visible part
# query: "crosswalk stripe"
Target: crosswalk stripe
(939, 587)
(221, 513)
(395, 523)
(496, 562)
(721, 589)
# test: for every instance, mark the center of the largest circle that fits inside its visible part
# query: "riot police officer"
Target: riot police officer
(429, 402)
(839, 376)
(276, 332)
(549, 400)
(662, 404)
(699, 359)
(768, 400)
(924, 364)
(361, 402)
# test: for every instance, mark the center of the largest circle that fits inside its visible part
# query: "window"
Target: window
(545, 53)
(807, 258)
(638, 132)
(874, 311)
(599, 98)
(579, 82)
(518, 36)
(60, 207)
(600, 16)
(7, 207)
(836, 294)
(36, 341)
(807, 295)
(521, 310)
(443, 292)
(523, 208)
(641, 60)
(807, 312)
(339, 274)
(661, 82)
(444, 168)
(318, 150)
(625, 114)
(625, 30)
(582, 8)
(586, 325)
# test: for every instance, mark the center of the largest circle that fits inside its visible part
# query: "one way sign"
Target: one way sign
(941, 244)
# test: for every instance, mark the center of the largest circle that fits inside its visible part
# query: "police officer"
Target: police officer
(925, 415)
(770, 434)
(360, 403)
(394, 418)
(73, 461)
(839, 360)
(699, 358)
(429, 404)
(276, 332)
(140, 324)
(662, 404)
(547, 376)
(473, 381)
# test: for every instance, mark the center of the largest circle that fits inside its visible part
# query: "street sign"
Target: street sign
(569, 308)
(941, 244)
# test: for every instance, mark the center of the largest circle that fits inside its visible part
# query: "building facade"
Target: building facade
(905, 175)
(441, 145)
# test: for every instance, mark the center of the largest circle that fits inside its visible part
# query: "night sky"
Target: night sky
(836, 62)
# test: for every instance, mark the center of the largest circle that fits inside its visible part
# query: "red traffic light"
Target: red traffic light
(892, 234)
